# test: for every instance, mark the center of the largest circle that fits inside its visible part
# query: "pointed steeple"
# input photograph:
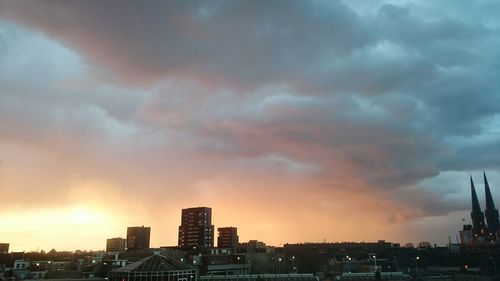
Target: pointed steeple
(476, 215)
(490, 205)
(475, 201)
(491, 213)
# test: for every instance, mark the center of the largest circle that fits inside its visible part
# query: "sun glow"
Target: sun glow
(82, 215)
(58, 227)
(76, 215)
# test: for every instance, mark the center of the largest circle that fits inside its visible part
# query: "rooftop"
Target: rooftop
(154, 263)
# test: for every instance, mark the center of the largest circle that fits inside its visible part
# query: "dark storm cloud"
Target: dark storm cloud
(392, 96)
(240, 42)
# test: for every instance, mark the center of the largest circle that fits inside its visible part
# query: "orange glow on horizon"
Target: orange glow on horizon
(66, 228)
(276, 215)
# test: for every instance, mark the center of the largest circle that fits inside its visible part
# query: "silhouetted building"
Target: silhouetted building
(4, 248)
(481, 231)
(258, 277)
(116, 244)
(158, 267)
(478, 225)
(253, 246)
(21, 269)
(227, 237)
(196, 229)
(138, 237)
(466, 234)
(491, 213)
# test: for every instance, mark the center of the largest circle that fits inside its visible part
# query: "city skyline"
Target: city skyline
(138, 237)
(295, 121)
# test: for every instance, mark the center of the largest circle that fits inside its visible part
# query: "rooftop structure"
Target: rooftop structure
(491, 213)
(481, 230)
(261, 277)
(158, 267)
(476, 214)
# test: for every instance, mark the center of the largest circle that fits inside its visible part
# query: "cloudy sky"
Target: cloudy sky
(294, 120)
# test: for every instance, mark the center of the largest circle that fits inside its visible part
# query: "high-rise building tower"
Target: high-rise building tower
(138, 237)
(115, 244)
(477, 216)
(196, 229)
(227, 237)
(491, 213)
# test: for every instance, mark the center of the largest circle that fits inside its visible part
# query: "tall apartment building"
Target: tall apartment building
(138, 237)
(115, 244)
(227, 237)
(196, 229)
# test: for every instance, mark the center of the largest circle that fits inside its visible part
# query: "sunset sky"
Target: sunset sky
(294, 120)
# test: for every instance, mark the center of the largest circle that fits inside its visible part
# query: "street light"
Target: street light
(238, 261)
(416, 266)
(348, 258)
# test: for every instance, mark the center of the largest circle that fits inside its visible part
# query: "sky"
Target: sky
(296, 121)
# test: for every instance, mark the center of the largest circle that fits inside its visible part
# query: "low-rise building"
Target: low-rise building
(116, 244)
(260, 277)
(158, 267)
(21, 269)
(4, 248)
(227, 237)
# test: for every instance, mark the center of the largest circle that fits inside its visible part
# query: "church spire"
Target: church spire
(475, 201)
(491, 213)
(476, 215)
(490, 205)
